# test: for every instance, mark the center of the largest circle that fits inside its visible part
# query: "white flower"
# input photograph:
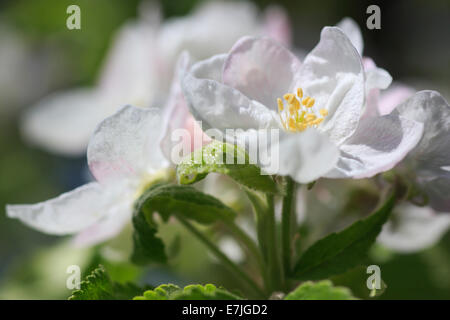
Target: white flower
(429, 161)
(139, 69)
(123, 156)
(128, 151)
(413, 228)
(317, 104)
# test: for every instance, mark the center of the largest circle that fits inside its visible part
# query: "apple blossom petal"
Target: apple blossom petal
(219, 106)
(377, 146)
(333, 75)
(277, 25)
(396, 94)
(126, 145)
(304, 156)
(107, 227)
(176, 111)
(413, 229)
(432, 153)
(189, 33)
(353, 32)
(68, 213)
(63, 122)
(261, 69)
(131, 73)
(375, 77)
(176, 117)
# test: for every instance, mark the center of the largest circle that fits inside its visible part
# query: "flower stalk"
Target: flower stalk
(222, 257)
(287, 220)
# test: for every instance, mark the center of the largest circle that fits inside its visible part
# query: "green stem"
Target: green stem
(267, 238)
(275, 268)
(246, 241)
(220, 255)
(287, 216)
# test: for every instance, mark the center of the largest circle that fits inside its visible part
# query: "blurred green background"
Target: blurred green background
(413, 44)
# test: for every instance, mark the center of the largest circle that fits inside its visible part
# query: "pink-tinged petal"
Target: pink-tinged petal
(261, 69)
(353, 32)
(277, 25)
(413, 229)
(176, 115)
(126, 145)
(376, 79)
(377, 146)
(393, 96)
(304, 156)
(432, 153)
(63, 122)
(220, 106)
(117, 217)
(333, 75)
(69, 213)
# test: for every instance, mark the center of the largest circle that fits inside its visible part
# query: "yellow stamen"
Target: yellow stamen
(288, 97)
(310, 103)
(280, 105)
(299, 115)
(305, 101)
(310, 117)
(317, 121)
(292, 110)
(292, 124)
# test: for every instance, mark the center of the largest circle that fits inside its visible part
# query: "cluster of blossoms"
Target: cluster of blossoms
(334, 118)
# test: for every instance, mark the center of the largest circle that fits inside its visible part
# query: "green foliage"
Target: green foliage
(170, 200)
(191, 292)
(323, 290)
(340, 251)
(99, 286)
(225, 159)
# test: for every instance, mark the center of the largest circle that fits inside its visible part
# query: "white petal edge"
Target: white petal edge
(431, 109)
(63, 122)
(260, 68)
(126, 145)
(353, 32)
(377, 146)
(332, 73)
(219, 106)
(304, 156)
(415, 229)
(69, 213)
(110, 225)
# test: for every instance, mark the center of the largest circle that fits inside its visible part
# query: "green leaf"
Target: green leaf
(225, 159)
(322, 290)
(163, 292)
(99, 286)
(167, 200)
(191, 292)
(340, 251)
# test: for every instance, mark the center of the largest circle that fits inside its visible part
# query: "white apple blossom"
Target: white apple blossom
(139, 69)
(123, 156)
(428, 164)
(413, 228)
(323, 133)
(128, 151)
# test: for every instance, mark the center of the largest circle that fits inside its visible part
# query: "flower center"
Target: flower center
(300, 113)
